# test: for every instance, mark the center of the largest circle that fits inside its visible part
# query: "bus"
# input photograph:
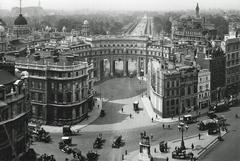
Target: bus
(207, 124)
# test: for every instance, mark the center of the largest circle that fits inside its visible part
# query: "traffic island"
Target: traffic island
(195, 146)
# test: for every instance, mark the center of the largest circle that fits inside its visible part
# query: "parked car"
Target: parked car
(117, 142)
(135, 106)
(220, 106)
(212, 115)
(102, 113)
(189, 119)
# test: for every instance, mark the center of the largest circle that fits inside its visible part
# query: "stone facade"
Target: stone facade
(14, 109)
(204, 81)
(60, 89)
(233, 66)
(172, 89)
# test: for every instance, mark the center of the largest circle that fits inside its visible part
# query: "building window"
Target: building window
(182, 91)
(189, 90)
(188, 102)
(172, 102)
(167, 103)
(167, 92)
(168, 84)
(172, 83)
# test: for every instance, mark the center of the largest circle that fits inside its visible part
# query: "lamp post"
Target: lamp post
(141, 80)
(182, 127)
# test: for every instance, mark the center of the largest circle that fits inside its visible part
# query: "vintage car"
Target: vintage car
(102, 113)
(182, 154)
(135, 106)
(189, 119)
(117, 142)
(163, 146)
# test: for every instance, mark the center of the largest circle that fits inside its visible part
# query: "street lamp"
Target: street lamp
(182, 127)
(141, 80)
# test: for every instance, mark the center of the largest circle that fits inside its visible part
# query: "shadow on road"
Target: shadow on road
(113, 114)
(120, 88)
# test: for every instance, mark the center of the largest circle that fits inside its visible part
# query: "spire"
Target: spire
(197, 11)
(20, 7)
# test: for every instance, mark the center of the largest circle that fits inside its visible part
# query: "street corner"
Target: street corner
(194, 145)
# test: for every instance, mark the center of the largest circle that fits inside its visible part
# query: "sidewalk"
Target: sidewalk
(148, 106)
(93, 115)
(200, 146)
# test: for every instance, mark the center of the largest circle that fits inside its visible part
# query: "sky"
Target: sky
(143, 5)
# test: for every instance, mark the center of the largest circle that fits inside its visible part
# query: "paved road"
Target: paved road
(228, 150)
(115, 90)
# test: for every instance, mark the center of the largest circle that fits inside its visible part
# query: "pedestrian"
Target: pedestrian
(156, 116)
(98, 106)
(163, 126)
(130, 115)
(144, 133)
(122, 109)
(151, 136)
(172, 116)
(192, 146)
(152, 119)
(169, 126)
(199, 136)
(226, 129)
(167, 159)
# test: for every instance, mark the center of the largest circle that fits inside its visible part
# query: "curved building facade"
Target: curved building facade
(60, 89)
(14, 110)
(120, 48)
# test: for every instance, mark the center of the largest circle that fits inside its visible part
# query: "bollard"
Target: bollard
(122, 157)
(125, 152)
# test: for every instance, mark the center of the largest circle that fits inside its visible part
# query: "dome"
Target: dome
(2, 29)
(20, 20)
(85, 22)
(2, 22)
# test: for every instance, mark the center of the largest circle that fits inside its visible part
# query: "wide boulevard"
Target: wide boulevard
(121, 93)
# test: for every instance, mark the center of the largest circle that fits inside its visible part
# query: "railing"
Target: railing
(51, 67)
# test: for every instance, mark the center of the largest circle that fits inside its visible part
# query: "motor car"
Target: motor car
(206, 124)
(117, 142)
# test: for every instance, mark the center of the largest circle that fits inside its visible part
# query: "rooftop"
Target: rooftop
(6, 77)
(49, 60)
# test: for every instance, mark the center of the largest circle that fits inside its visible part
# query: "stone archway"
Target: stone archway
(119, 67)
(106, 68)
(132, 67)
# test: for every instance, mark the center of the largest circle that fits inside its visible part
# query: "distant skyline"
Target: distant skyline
(139, 5)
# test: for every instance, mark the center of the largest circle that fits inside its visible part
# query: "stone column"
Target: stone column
(138, 66)
(98, 69)
(55, 115)
(125, 67)
(145, 66)
(73, 114)
(101, 69)
(111, 66)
